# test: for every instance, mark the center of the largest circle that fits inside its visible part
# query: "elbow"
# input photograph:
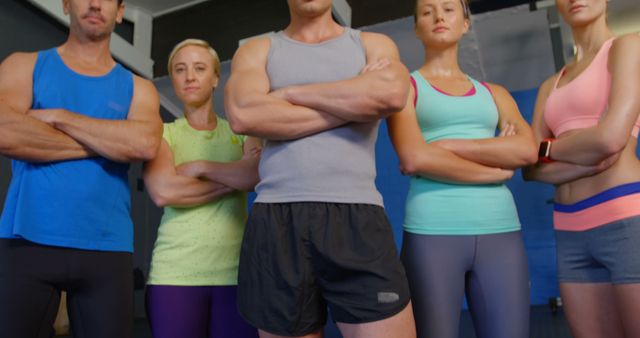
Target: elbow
(238, 124)
(613, 144)
(396, 91)
(161, 198)
(408, 166)
(158, 199)
(529, 157)
(148, 150)
(6, 148)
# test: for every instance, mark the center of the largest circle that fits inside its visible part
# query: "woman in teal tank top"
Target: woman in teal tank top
(462, 232)
(200, 176)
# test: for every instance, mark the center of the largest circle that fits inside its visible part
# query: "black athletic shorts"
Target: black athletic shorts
(297, 259)
(99, 289)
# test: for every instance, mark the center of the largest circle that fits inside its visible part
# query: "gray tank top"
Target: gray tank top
(337, 165)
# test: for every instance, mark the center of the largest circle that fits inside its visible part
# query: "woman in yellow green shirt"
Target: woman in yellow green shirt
(200, 177)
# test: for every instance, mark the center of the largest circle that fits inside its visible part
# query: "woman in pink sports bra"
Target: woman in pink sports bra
(586, 120)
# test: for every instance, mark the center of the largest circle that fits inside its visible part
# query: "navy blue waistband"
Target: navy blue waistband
(607, 195)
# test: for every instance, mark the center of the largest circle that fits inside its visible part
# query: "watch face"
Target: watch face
(543, 150)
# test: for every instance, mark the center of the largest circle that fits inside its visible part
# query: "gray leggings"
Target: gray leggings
(491, 269)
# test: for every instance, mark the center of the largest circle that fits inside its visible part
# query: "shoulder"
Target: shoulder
(144, 87)
(257, 48)
(631, 40)
(547, 85)
(625, 47)
(496, 89)
(19, 62)
(376, 40)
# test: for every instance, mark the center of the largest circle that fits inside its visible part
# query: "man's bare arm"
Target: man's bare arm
(251, 110)
(372, 95)
(24, 137)
(135, 139)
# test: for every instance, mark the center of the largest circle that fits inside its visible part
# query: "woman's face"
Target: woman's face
(577, 13)
(440, 22)
(193, 75)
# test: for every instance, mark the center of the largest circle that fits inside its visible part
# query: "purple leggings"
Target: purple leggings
(195, 312)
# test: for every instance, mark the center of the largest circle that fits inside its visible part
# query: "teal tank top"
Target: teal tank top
(437, 208)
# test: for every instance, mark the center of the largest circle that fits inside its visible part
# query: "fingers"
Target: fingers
(376, 65)
(252, 153)
(508, 129)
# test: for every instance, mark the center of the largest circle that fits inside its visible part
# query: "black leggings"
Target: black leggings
(99, 288)
(492, 269)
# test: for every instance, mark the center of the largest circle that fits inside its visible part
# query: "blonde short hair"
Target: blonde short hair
(199, 43)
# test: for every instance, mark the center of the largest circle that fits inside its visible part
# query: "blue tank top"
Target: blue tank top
(81, 204)
(437, 208)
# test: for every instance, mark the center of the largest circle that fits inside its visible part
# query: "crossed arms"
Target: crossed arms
(589, 151)
(480, 161)
(199, 182)
(49, 135)
(298, 111)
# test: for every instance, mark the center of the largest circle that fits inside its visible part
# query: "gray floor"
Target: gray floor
(544, 324)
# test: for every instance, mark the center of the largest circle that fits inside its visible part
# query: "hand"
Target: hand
(508, 129)
(606, 163)
(252, 153)
(376, 65)
(280, 93)
(48, 116)
(190, 169)
(508, 174)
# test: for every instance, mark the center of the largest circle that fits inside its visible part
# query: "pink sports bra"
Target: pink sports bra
(581, 102)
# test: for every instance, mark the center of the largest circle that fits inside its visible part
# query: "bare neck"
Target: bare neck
(201, 117)
(313, 29)
(442, 63)
(86, 56)
(591, 37)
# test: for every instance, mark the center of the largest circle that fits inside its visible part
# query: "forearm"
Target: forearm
(275, 119)
(118, 140)
(368, 97)
(586, 147)
(240, 175)
(442, 165)
(557, 172)
(509, 152)
(30, 140)
(180, 191)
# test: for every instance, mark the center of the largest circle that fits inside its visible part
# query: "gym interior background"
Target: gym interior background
(514, 43)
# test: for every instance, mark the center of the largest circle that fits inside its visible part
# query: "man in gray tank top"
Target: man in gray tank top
(317, 236)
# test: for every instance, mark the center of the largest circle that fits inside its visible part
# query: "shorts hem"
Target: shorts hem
(276, 331)
(583, 281)
(379, 317)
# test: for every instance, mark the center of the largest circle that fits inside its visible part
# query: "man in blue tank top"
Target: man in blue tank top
(317, 236)
(71, 118)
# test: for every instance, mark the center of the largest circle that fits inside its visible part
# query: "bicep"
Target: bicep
(624, 101)
(538, 125)
(248, 73)
(379, 47)
(161, 167)
(508, 110)
(145, 103)
(404, 129)
(16, 82)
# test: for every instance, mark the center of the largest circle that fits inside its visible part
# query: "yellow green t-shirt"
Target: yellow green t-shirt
(201, 245)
